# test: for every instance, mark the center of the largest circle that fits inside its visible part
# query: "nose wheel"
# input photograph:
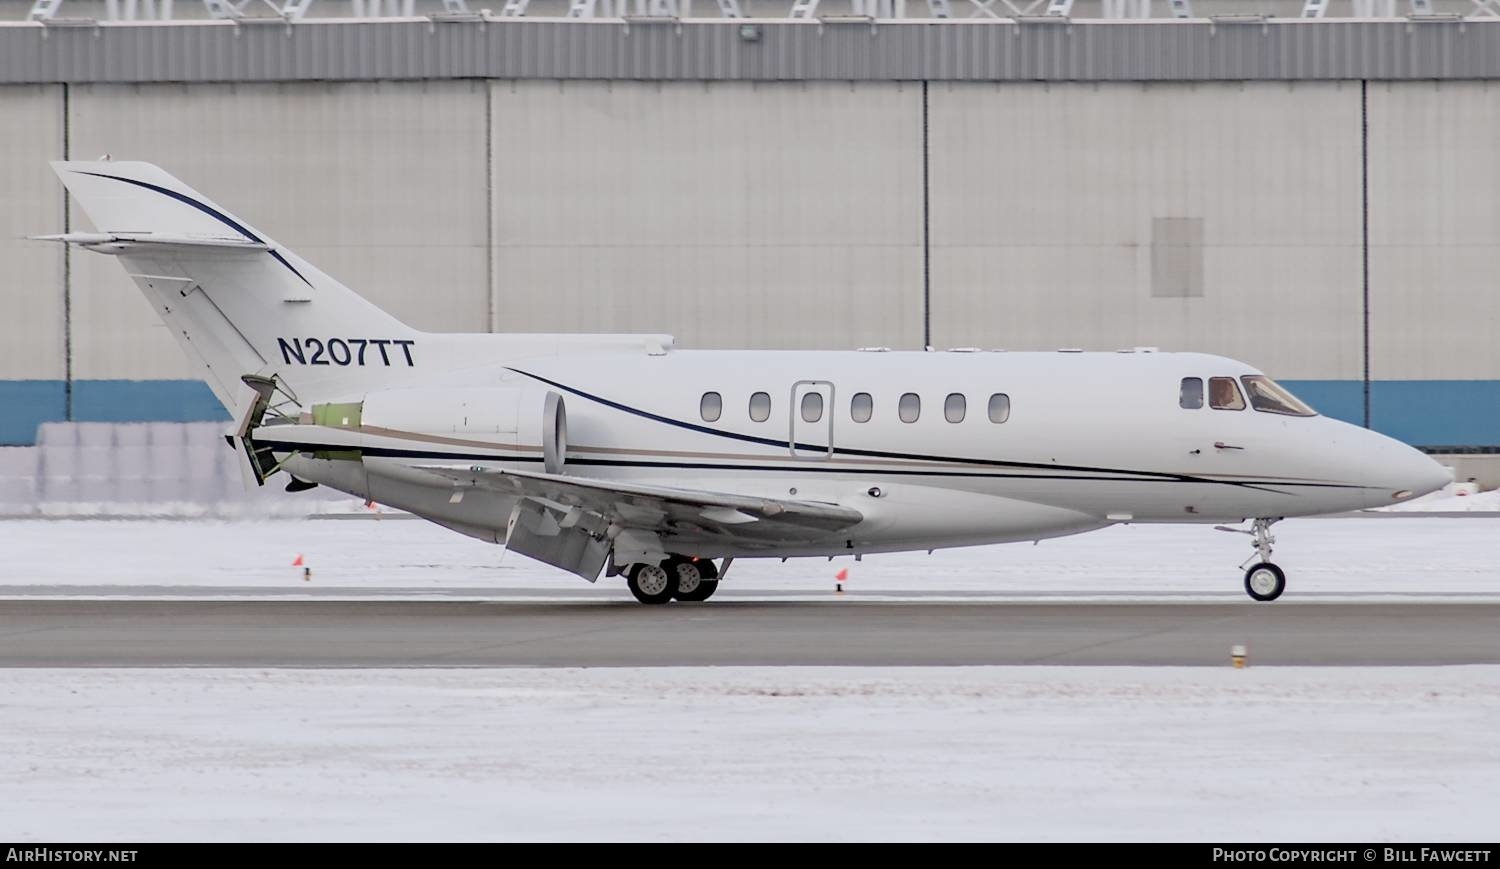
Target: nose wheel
(1263, 580)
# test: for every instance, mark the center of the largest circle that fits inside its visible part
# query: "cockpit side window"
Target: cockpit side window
(1223, 394)
(1268, 396)
(1191, 396)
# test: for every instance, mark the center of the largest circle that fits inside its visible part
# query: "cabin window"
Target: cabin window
(1223, 394)
(1191, 397)
(999, 407)
(760, 406)
(1268, 396)
(955, 407)
(812, 406)
(861, 407)
(910, 407)
(711, 406)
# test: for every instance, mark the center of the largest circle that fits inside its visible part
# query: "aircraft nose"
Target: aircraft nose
(1389, 471)
(1426, 475)
(1413, 473)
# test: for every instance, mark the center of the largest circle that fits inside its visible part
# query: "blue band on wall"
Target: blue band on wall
(26, 404)
(1449, 413)
(1434, 413)
(145, 401)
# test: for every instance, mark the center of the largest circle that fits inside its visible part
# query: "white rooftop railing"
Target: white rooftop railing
(497, 10)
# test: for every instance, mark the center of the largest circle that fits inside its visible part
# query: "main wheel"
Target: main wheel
(706, 589)
(1265, 581)
(696, 580)
(651, 583)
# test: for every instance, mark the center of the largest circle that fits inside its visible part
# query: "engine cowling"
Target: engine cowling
(527, 418)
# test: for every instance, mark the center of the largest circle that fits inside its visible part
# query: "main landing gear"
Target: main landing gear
(687, 579)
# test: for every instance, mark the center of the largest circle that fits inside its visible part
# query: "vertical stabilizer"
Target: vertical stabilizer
(236, 301)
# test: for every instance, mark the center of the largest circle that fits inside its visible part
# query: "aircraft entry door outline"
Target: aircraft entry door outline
(815, 438)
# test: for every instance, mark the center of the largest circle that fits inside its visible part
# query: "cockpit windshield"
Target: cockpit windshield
(1268, 396)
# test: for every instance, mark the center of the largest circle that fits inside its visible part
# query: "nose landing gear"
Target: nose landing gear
(1263, 580)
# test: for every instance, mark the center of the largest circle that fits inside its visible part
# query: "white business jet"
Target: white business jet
(619, 454)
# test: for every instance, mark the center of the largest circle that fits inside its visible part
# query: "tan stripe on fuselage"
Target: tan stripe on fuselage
(925, 464)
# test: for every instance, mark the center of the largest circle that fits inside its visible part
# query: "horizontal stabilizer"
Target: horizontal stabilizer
(146, 242)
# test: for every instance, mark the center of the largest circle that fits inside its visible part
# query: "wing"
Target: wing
(663, 510)
(576, 523)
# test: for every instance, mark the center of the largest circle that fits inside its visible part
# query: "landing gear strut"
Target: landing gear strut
(1263, 580)
(686, 579)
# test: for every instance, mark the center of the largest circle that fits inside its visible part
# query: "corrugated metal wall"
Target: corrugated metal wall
(1044, 197)
(772, 215)
(30, 204)
(381, 185)
(1223, 217)
(1033, 49)
(1435, 230)
(32, 363)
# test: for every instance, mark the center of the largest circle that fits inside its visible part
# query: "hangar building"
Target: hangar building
(1316, 195)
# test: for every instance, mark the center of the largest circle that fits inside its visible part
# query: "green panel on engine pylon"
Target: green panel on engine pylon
(345, 415)
(338, 415)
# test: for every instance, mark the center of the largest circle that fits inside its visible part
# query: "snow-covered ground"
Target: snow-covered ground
(1363, 557)
(1455, 498)
(1262, 754)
